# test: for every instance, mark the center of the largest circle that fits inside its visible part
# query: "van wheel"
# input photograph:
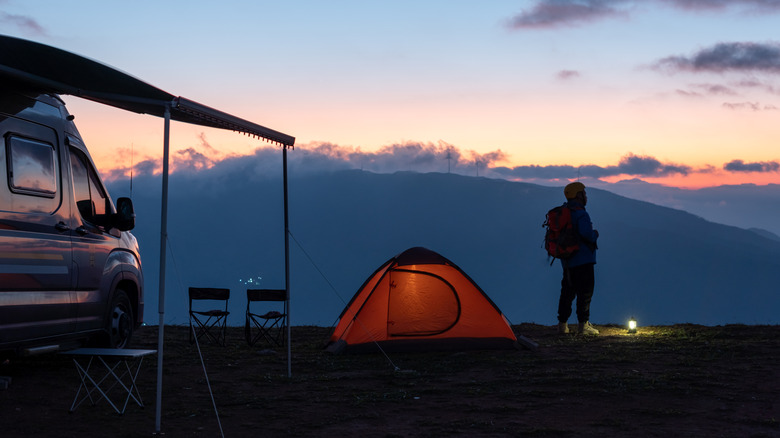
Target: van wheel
(120, 321)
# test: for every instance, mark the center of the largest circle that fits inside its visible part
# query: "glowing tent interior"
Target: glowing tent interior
(419, 300)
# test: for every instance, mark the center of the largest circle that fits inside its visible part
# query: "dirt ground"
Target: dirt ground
(669, 381)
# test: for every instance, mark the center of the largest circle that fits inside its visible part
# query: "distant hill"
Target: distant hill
(744, 205)
(658, 264)
(765, 233)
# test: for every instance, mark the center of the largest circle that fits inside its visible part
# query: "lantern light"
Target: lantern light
(632, 325)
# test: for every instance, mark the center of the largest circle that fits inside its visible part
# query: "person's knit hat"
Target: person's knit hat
(571, 189)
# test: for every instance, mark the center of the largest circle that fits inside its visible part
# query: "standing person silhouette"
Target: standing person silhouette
(578, 274)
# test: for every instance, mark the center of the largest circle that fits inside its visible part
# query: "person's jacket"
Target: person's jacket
(588, 236)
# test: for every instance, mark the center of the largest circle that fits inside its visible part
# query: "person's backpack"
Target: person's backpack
(560, 240)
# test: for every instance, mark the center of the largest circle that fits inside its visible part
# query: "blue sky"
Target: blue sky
(553, 84)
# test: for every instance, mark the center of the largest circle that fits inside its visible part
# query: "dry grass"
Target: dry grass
(681, 380)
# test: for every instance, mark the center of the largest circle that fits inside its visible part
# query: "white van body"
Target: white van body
(70, 270)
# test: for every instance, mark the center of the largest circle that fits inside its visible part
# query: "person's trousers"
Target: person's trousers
(578, 282)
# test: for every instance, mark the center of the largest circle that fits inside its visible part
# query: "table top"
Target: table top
(113, 352)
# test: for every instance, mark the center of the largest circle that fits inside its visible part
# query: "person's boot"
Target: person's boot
(563, 328)
(586, 328)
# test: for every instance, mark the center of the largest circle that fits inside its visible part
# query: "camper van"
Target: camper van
(70, 271)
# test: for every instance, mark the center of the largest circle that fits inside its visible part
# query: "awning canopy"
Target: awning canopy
(57, 71)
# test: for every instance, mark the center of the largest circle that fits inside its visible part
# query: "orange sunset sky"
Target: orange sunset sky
(678, 92)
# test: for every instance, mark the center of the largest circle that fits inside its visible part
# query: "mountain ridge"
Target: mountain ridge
(658, 264)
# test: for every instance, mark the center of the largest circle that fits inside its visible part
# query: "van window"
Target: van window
(91, 199)
(31, 167)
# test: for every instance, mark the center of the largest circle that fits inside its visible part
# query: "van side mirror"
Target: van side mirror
(124, 220)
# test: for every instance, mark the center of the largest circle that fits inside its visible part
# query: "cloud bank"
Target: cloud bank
(567, 74)
(423, 158)
(553, 13)
(726, 57)
(752, 106)
(748, 60)
(562, 13)
(24, 23)
(631, 165)
(741, 166)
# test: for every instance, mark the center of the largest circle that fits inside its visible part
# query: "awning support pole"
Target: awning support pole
(163, 252)
(287, 258)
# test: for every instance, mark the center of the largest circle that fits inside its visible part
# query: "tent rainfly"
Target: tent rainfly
(419, 300)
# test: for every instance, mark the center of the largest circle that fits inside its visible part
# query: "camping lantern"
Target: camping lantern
(632, 325)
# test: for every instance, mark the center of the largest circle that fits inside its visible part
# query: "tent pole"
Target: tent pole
(287, 257)
(163, 251)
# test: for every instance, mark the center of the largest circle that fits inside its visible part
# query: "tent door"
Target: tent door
(420, 304)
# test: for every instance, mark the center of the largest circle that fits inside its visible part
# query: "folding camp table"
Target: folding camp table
(112, 367)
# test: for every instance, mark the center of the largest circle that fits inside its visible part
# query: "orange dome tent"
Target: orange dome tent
(419, 300)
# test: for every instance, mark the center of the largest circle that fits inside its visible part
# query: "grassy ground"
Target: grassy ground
(681, 380)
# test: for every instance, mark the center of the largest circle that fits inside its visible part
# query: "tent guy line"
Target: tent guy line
(335, 291)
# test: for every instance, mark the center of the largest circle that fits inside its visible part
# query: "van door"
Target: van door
(93, 240)
(35, 247)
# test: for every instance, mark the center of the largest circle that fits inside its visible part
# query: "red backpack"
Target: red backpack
(561, 239)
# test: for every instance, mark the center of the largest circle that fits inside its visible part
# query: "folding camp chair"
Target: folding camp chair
(271, 325)
(209, 323)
